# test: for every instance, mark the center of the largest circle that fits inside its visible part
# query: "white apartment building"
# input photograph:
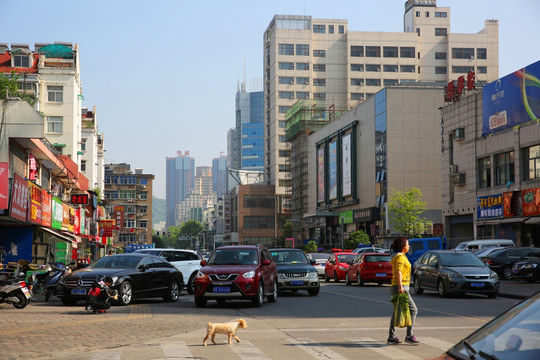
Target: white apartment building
(93, 150)
(320, 59)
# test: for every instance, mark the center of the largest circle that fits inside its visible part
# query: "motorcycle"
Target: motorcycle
(14, 291)
(46, 282)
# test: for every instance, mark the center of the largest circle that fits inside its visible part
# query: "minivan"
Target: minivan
(483, 244)
(417, 247)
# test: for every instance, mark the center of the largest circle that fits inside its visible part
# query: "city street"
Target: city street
(342, 322)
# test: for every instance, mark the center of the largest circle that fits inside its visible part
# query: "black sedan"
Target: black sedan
(133, 275)
(450, 271)
(502, 261)
(528, 270)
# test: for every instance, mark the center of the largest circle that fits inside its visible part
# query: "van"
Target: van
(417, 247)
(474, 245)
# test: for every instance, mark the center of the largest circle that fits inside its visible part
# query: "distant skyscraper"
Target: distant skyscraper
(219, 175)
(249, 130)
(180, 182)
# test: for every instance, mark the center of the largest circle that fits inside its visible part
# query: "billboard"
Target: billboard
(19, 198)
(511, 100)
(346, 164)
(490, 206)
(4, 185)
(320, 174)
(332, 167)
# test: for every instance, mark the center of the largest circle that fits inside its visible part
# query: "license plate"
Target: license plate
(297, 282)
(26, 292)
(381, 274)
(78, 291)
(222, 289)
(477, 284)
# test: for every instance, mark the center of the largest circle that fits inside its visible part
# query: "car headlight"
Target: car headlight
(249, 275)
(343, 268)
(281, 276)
(454, 275)
(312, 275)
(493, 275)
(201, 275)
(530, 266)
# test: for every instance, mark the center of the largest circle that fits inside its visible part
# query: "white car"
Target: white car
(320, 261)
(187, 261)
(374, 249)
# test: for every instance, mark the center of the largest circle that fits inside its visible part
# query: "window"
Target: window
(373, 51)
(302, 95)
(258, 201)
(357, 96)
(531, 162)
(284, 168)
(407, 68)
(54, 93)
(21, 61)
(330, 29)
(319, 96)
(302, 66)
(282, 124)
(462, 69)
(129, 223)
(357, 82)
(283, 109)
(440, 56)
(319, 67)
(258, 222)
(302, 80)
(440, 69)
(54, 124)
(286, 49)
(83, 144)
(407, 52)
(440, 14)
(462, 53)
(286, 80)
(341, 29)
(357, 51)
(484, 172)
(319, 29)
(286, 94)
(286, 66)
(357, 67)
(143, 195)
(319, 82)
(418, 31)
(319, 53)
(302, 49)
(127, 194)
(504, 168)
(142, 224)
(481, 69)
(418, 14)
(110, 194)
(373, 82)
(427, 13)
(481, 53)
(371, 67)
(441, 31)
(390, 82)
(390, 51)
(83, 165)
(390, 68)
(284, 153)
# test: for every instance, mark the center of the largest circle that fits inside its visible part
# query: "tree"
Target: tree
(355, 238)
(311, 247)
(404, 209)
(9, 83)
(191, 228)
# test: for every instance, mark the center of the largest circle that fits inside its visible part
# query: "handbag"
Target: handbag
(402, 314)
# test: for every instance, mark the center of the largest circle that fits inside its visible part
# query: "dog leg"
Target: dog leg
(230, 336)
(206, 338)
(236, 338)
(213, 337)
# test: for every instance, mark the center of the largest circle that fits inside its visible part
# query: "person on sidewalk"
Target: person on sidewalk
(401, 276)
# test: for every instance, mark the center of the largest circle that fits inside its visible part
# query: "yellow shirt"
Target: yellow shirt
(402, 264)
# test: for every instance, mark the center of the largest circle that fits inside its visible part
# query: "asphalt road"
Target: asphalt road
(342, 322)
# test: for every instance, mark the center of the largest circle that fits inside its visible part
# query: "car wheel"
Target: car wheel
(68, 301)
(359, 280)
(258, 300)
(417, 288)
(47, 294)
(492, 295)
(125, 293)
(326, 278)
(190, 284)
(336, 279)
(200, 302)
(314, 292)
(273, 297)
(347, 281)
(441, 288)
(507, 272)
(174, 292)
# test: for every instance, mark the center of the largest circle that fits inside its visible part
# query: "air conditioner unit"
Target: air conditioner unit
(459, 133)
(143, 186)
(460, 179)
(453, 169)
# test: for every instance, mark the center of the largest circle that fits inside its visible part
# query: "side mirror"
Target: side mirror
(203, 262)
(312, 261)
(266, 262)
(143, 268)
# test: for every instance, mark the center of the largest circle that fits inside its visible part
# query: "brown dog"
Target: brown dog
(224, 328)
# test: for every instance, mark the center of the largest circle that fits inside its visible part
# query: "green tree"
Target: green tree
(286, 230)
(192, 228)
(355, 238)
(311, 247)
(9, 83)
(404, 209)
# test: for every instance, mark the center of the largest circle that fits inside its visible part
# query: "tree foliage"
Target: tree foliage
(355, 238)
(311, 247)
(191, 228)
(404, 209)
(9, 83)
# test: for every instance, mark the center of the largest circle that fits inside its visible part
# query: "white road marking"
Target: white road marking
(108, 355)
(246, 350)
(440, 344)
(315, 349)
(390, 351)
(175, 349)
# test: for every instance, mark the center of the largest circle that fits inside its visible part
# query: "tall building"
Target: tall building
(320, 59)
(219, 175)
(93, 149)
(203, 181)
(249, 142)
(180, 182)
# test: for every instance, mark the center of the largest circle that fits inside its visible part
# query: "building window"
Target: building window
(55, 93)
(288, 80)
(55, 124)
(282, 124)
(481, 69)
(259, 222)
(373, 67)
(127, 194)
(427, 13)
(302, 66)
(440, 56)
(440, 69)
(481, 53)
(319, 67)
(407, 68)
(282, 139)
(286, 49)
(373, 51)
(418, 31)
(357, 82)
(111, 194)
(462, 69)
(319, 82)
(302, 95)
(21, 61)
(286, 66)
(357, 51)
(441, 31)
(143, 195)
(462, 53)
(283, 109)
(129, 223)
(484, 172)
(284, 153)
(531, 162)
(83, 144)
(319, 96)
(390, 82)
(142, 224)
(418, 14)
(373, 82)
(407, 52)
(357, 67)
(330, 29)
(83, 165)
(440, 14)
(319, 53)
(286, 94)
(284, 168)
(259, 201)
(341, 29)
(302, 80)
(357, 96)
(319, 29)
(390, 51)
(390, 68)
(504, 168)
(302, 49)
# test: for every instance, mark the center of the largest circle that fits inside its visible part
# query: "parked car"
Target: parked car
(417, 247)
(486, 251)
(134, 276)
(369, 267)
(187, 261)
(502, 261)
(320, 261)
(474, 245)
(295, 272)
(528, 270)
(512, 335)
(371, 249)
(245, 272)
(337, 265)
(451, 271)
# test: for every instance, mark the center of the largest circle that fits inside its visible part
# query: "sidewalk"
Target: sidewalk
(517, 289)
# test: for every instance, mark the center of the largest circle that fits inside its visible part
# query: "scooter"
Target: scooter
(47, 281)
(14, 291)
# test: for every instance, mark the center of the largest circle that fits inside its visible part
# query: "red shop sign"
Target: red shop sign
(19, 198)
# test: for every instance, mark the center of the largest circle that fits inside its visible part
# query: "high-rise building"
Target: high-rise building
(92, 149)
(203, 181)
(321, 60)
(249, 142)
(180, 182)
(219, 175)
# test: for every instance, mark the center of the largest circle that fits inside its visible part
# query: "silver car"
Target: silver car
(320, 261)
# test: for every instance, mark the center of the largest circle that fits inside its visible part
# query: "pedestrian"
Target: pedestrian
(401, 276)
(110, 252)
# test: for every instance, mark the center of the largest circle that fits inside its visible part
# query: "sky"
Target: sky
(163, 74)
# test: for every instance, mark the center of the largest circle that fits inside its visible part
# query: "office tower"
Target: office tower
(249, 130)
(219, 175)
(180, 182)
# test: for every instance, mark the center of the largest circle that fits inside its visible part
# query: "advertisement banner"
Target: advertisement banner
(490, 206)
(118, 216)
(19, 198)
(77, 221)
(57, 213)
(346, 217)
(531, 202)
(320, 174)
(71, 219)
(45, 208)
(332, 167)
(106, 227)
(346, 164)
(65, 216)
(34, 215)
(4, 185)
(512, 204)
(511, 100)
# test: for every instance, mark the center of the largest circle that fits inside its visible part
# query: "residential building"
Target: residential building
(203, 181)
(92, 149)
(180, 182)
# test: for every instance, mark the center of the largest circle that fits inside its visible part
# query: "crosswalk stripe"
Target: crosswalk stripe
(440, 344)
(246, 350)
(176, 349)
(315, 349)
(389, 351)
(108, 355)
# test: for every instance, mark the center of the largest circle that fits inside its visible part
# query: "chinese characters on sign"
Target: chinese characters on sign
(490, 206)
(118, 215)
(79, 199)
(452, 93)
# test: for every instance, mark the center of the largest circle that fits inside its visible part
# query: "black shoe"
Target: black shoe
(393, 341)
(411, 340)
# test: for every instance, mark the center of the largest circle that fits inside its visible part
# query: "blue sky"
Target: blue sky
(163, 74)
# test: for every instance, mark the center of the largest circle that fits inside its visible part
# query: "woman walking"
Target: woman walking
(401, 276)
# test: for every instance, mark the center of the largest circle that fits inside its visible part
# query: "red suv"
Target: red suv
(245, 272)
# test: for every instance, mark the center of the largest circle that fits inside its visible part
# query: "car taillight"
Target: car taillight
(488, 261)
(22, 283)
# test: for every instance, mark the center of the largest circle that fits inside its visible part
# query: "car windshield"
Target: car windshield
(460, 259)
(461, 246)
(345, 258)
(289, 257)
(234, 257)
(513, 335)
(117, 262)
(376, 258)
(319, 256)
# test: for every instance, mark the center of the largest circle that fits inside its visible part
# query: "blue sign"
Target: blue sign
(129, 248)
(511, 100)
(490, 206)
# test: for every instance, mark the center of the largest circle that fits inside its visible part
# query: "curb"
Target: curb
(513, 296)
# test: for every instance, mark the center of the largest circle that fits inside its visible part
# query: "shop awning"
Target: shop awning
(533, 220)
(488, 222)
(58, 235)
(513, 220)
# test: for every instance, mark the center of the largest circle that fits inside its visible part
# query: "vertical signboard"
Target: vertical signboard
(320, 174)
(346, 164)
(4, 185)
(227, 213)
(45, 208)
(19, 198)
(34, 215)
(106, 227)
(332, 167)
(57, 213)
(118, 215)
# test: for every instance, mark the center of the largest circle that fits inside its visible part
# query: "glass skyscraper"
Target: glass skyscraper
(179, 183)
(249, 144)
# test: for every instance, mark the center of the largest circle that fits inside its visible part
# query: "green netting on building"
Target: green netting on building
(307, 115)
(57, 51)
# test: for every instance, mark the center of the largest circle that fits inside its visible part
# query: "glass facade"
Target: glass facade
(250, 131)
(380, 146)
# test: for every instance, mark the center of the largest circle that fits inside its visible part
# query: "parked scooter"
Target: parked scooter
(47, 281)
(14, 291)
